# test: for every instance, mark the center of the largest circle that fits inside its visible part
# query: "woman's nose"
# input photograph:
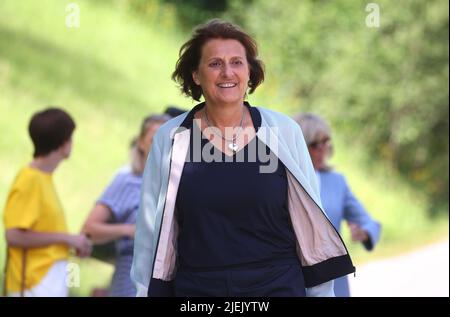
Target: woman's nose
(226, 71)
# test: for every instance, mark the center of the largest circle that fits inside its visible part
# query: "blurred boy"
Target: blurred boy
(38, 241)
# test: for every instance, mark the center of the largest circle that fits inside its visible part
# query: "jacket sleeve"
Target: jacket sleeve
(322, 290)
(355, 212)
(305, 163)
(325, 289)
(144, 242)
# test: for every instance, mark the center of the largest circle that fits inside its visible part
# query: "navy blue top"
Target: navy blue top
(229, 213)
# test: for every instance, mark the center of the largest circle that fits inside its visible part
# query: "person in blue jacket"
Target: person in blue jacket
(337, 198)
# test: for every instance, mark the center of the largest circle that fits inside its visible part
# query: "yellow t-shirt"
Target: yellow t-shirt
(33, 204)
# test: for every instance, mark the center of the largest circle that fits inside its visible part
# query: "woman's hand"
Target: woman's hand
(129, 230)
(81, 244)
(358, 234)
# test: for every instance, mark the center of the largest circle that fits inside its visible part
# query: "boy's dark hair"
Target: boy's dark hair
(49, 129)
(174, 111)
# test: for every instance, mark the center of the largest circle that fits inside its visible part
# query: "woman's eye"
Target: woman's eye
(238, 62)
(214, 64)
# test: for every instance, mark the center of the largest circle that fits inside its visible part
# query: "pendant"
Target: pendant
(233, 147)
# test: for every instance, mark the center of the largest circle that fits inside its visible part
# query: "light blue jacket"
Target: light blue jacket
(321, 250)
(340, 204)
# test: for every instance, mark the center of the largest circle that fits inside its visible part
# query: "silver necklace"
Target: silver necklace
(232, 145)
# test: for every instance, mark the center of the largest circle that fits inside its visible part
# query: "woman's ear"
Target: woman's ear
(195, 77)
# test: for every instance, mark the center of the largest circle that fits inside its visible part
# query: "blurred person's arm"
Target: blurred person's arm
(100, 231)
(25, 238)
(362, 227)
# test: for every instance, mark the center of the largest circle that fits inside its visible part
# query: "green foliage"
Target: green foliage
(385, 88)
(189, 12)
(109, 74)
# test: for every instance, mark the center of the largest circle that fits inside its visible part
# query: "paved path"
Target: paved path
(423, 273)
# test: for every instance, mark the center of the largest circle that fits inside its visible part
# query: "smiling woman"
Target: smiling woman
(227, 226)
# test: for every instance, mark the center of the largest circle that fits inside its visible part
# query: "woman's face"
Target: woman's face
(223, 71)
(319, 151)
(145, 142)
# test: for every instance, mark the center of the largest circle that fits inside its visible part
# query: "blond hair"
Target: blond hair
(313, 127)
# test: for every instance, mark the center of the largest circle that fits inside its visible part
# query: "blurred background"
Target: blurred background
(383, 87)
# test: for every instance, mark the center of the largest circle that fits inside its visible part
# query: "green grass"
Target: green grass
(109, 74)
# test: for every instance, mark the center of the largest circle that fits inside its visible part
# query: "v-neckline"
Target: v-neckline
(218, 149)
(235, 153)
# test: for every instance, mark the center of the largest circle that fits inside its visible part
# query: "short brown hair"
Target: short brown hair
(49, 129)
(191, 51)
